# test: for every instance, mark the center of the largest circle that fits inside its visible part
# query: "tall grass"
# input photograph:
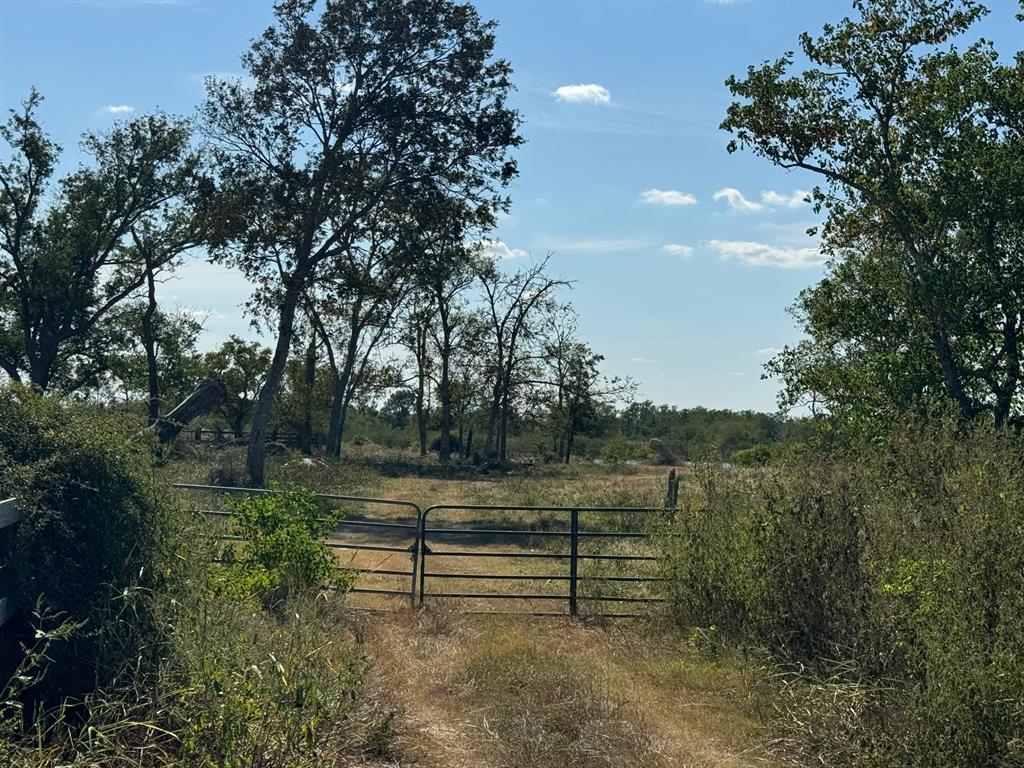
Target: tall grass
(892, 570)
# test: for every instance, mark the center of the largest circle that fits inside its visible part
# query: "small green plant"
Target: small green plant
(282, 548)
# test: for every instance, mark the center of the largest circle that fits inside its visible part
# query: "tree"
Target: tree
(513, 305)
(69, 255)
(448, 267)
(920, 151)
(580, 393)
(350, 113)
(414, 335)
(242, 366)
(162, 360)
(353, 313)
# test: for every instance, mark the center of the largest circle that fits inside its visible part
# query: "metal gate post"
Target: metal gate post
(423, 550)
(574, 542)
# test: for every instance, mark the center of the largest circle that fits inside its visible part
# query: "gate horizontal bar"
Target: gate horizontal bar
(496, 531)
(371, 547)
(503, 508)
(371, 591)
(610, 599)
(518, 613)
(622, 578)
(331, 496)
(492, 596)
(472, 553)
(496, 576)
(379, 571)
(377, 524)
(616, 557)
(615, 534)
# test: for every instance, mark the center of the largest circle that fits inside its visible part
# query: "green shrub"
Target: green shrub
(755, 456)
(282, 549)
(899, 562)
(97, 535)
(620, 449)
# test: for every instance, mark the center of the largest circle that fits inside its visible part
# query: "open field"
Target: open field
(498, 691)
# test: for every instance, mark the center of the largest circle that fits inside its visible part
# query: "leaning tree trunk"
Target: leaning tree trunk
(255, 458)
(208, 395)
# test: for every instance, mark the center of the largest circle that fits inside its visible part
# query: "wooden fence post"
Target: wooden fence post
(672, 490)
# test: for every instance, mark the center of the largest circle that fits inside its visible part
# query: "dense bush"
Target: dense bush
(282, 548)
(898, 562)
(619, 449)
(97, 531)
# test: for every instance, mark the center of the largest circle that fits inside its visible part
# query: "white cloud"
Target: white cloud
(655, 196)
(595, 244)
(496, 249)
(764, 255)
(768, 351)
(644, 360)
(119, 109)
(676, 249)
(776, 200)
(589, 93)
(737, 201)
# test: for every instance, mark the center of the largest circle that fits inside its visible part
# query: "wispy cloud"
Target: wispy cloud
(595, 244)
(496, 249)
(763, 255)
(655, 196)
(677, 249)
(119, 109)
(737, 201)
(770, 200)
(776, 200)
(768, 351)
(589, 93)
(644, 360)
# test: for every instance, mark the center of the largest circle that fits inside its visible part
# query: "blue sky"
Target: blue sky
(685, 257)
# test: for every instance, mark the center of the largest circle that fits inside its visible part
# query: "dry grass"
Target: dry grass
(489, 692)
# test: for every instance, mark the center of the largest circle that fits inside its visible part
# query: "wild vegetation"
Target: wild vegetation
(844, 587)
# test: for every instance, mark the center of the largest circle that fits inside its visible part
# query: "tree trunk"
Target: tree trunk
(305, 436)
(421, 413)
(255, 458)
(491, 440)
(341, 394)
(149, 342)
(334, 419)
(503, 426)
(445, 393)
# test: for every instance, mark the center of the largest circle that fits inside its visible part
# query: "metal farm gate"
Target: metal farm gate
(546, 561)
(377, 538)
(538, 559)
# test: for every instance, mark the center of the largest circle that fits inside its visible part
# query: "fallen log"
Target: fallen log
(209, 393)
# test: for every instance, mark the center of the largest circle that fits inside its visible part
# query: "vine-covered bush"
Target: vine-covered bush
(96, 533)
(899, 562)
